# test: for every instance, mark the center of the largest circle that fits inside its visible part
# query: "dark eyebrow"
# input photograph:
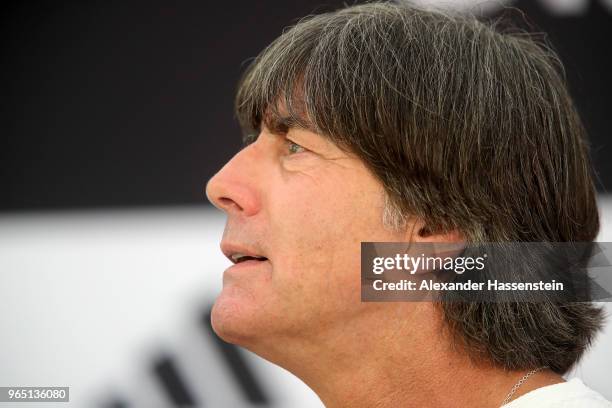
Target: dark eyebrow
(280, 124)
(277, 125)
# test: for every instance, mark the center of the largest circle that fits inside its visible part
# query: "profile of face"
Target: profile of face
(304, 205)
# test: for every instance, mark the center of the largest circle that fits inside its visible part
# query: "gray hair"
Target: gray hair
(468, 127)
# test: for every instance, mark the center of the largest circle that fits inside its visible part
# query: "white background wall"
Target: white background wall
(89, 298)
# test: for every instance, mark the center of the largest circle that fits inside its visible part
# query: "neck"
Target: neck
(404, 358)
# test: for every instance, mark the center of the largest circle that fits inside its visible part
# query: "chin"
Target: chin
(233, 321)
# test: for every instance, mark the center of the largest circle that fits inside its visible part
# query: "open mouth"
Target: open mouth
(239, 258)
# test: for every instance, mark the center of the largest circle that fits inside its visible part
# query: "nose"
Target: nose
(235, 188)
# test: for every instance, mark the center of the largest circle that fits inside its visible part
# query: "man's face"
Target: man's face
(305, 205)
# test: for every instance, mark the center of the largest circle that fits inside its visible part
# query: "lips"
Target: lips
(237, 253)
(238, 257)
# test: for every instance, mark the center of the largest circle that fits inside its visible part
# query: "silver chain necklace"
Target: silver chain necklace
(521, 382)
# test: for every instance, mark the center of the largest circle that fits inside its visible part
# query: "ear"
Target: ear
(444, 244)
(420, 232)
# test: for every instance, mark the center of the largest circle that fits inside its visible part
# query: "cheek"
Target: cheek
(311, 220)
(318, 229)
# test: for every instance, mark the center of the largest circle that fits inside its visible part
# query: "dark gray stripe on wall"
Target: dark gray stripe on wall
(167, 373)
(238, 365)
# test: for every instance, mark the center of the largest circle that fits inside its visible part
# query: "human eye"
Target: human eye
(294, 148)
(249, 138)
